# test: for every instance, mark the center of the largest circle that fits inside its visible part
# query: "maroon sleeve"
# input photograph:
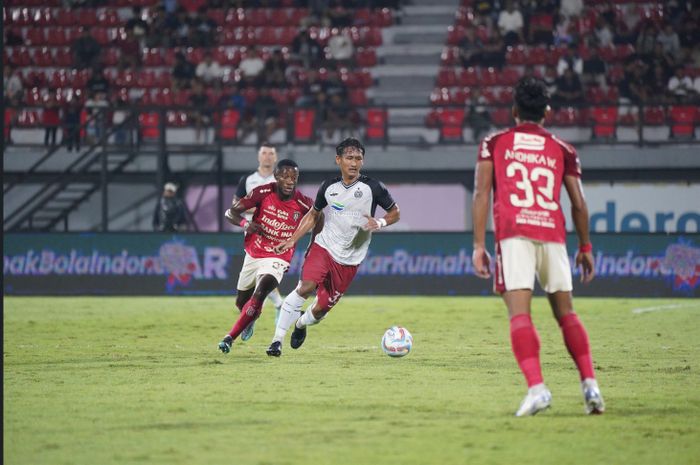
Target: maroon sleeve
(254, 197)
(487, 147)
(572, 165)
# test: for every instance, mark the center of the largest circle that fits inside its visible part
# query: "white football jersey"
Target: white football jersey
(250, 182)
(342, 234)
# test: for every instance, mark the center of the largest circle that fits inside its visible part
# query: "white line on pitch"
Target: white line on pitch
(662, 308)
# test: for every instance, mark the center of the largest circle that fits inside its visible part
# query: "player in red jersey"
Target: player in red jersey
(279, 208)
(526, 167)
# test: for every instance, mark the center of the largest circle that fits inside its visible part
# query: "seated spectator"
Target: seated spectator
(540, 22)
(71, 124)
(595, 69)
(338, 116)
(479, 117)
(201, 110)
(657, 84)
(51, 117)
(180, 28)
(183, 72)
(633, 89)
(275, 71)
(170, 214)
(13, 38)
(571, 8)
(340, 48)
(339, 17)
(660, 57)
(96, 106)
(510, 24)
(158, 31)
(563, 31)
(569, 89)
(550, 79)
(312, 94)
(203, 29)
(470, 48)
(494, 53)
(86, 50)
(122, 132)
(97, 81)
(571, 60)
(251, 68)
(603, 33)
(136, 24)
(130, 48)
(232, 98)
(646, 39)
(12, 85)
(334, 86)
(306, 49)
(670, 41)
(209, 71)
(680, 86)
(262, 117)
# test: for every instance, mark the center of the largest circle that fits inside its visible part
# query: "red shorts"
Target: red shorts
(331, 277)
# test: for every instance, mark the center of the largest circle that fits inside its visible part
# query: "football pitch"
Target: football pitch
(140, 380)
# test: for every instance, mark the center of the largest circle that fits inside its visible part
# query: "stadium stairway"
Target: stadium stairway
(409, 61)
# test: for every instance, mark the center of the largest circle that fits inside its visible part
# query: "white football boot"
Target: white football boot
(592, 399)
(538, 398)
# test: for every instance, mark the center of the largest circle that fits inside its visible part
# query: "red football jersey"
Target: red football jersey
(529, 165)
(278, 219)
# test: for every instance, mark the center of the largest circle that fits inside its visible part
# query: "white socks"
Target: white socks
(275, 298)
(291, 308)
(307, 319)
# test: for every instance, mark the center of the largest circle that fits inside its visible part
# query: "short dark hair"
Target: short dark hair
(348, 143)
(268, 145)
(286, 163)
(531, 99)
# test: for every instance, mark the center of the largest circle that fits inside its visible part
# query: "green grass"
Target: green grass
(139, 380)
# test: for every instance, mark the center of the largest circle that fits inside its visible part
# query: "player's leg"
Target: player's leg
(246, 286)
(276, 300)
(289, 313)
(554, 274)
(515, 279)
(328, 294)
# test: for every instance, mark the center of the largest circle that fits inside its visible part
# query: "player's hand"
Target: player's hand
(251, 227)
(372, 224)
(482, 262)
(585, 262)
(282, 247)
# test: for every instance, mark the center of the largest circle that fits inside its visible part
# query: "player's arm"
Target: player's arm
(305, 225)
(483, 182)
(316, 230)
(579, 215)
(393, 215)
(234, 215)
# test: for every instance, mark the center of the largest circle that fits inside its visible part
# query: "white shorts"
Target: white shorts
(253, 268)
(519, 260)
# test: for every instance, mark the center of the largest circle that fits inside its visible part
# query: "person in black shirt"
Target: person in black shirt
(201, 113)
(170, 212)
(86, 50)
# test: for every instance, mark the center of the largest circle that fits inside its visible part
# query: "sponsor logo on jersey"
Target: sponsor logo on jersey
(337, 206)
(333, 194)
(524, 141)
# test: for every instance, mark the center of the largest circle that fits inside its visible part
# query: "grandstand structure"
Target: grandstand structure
(406, 89)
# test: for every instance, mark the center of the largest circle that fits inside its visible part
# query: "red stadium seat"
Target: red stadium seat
(358, 98)
(177, 119)
(501, 117)
(229, 125)
(683, 119)
(565, 117)
(440, 96)
(43, 57)
(449, 56)
(451, 121)
(304, 125)
(604, 122)
(376, 130)
(65, 18)
(35, 36)
(152, 57)
(654, 116)
(278, 17)
(516, 55)
(489, 77)
(108, 18)
(446, 77)
(469, 77)
(266, 36)
(366, 57)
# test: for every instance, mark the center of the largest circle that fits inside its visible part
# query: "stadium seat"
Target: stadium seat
(654, 116)
(501, 117)
(229, 125)
(149, 124)
(683, 119)
(304, 125)
(469, 77)
(451, 121)
(358, 97)
(604, 122)
(35, 37)
(377, 120)
(440, 96)
(446, 77)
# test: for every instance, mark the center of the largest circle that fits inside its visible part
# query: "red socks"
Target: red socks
(251, 311)
(576, 340)
(526, 347)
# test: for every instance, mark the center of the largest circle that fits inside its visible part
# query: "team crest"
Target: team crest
(358, 193)
(296, 216)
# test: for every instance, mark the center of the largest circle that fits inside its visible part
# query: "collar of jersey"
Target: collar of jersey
(348, 186)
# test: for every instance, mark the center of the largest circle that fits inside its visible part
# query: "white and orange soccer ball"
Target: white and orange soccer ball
(397, 341)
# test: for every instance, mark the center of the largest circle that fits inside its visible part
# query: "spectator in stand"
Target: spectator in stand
(569, 89)
(660, 57)
(232, 98)
(97, 81)
(275, 71)
(96, 106)
(470, 48)
(680, 86)
(251, 68)
(306, 49)
(340, 48)
(627, 27)
(633, 90)
(158, 31)
(12, 85)
(334, 86)
(688, 30)
(595, 69)
(203, 29)
(571, 8)
(71, 124)
(571, 60)
(13, 38)
(263, 118)
(209, 71)
(86, 50)
(180, 28)
(200, 113)
(122, 132)
(603, 33)
(338, 16)
(183, 72)
(510, 24)
(494, 53)
(130, 48)
(563, 34)
(136, 24)
(694, 57)
(538, 16)
(657, 84)
(646, 39)
(51, 117)
(338, 116)
(170, 214)
(312, 94)
(670, 41)
(550, 79)
(479, 117)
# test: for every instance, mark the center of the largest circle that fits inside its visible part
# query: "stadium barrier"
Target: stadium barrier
(627, 265)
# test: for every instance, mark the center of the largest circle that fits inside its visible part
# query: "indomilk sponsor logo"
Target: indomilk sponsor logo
(524, 141)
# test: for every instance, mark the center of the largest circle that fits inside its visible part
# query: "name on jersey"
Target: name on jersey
(533, 158)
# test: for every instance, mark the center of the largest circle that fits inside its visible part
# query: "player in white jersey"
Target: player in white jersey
(337, 251)
(265, 174)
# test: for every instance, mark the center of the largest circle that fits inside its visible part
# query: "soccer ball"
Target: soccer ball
(397, 341)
